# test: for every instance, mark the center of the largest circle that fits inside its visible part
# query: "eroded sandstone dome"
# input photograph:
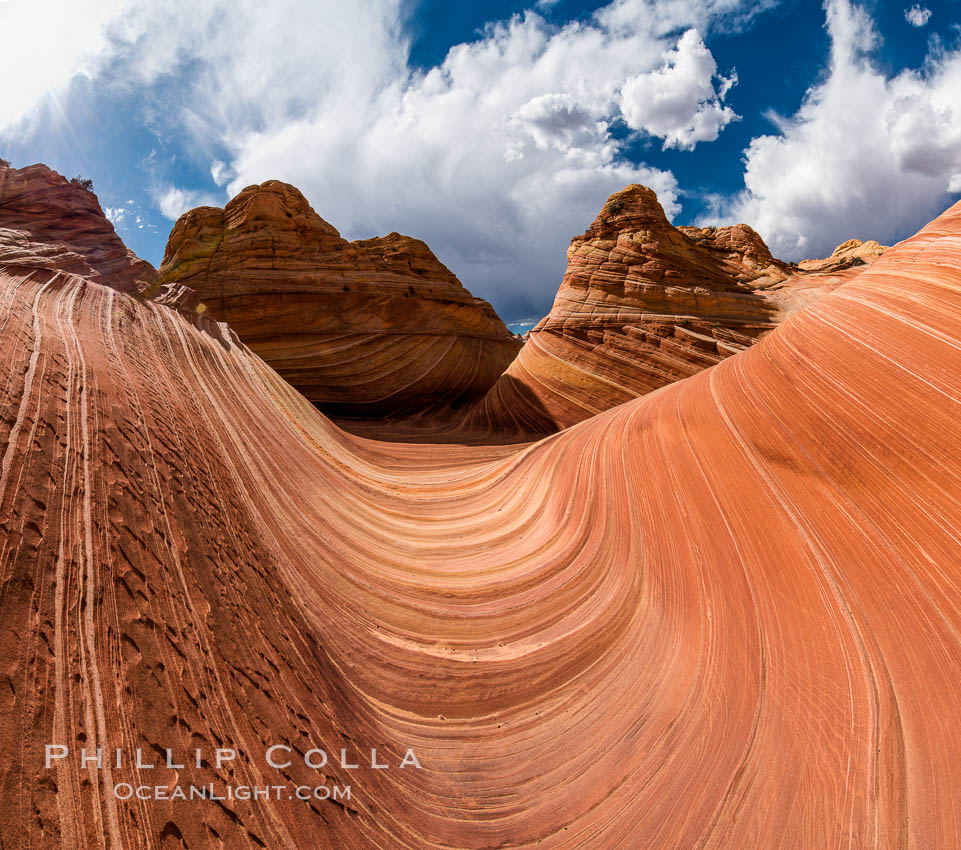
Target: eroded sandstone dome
(643, 304)
(373, 328)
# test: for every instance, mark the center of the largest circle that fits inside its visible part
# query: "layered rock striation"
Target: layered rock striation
(49, 222)
(373, 328)
(644, 304)
(850, 254)
(721, 615)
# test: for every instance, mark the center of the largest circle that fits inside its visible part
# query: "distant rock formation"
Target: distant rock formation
(47, 221)
(373, 328)
(644, 304)
(847, 255)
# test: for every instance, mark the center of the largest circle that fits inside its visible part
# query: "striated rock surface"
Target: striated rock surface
(723, 615)
(373, 328)
(47, 221)
(847, 255)
(644, 304)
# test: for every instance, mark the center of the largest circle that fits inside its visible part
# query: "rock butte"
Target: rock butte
(374, 328)
(644, 304)
(724, 614)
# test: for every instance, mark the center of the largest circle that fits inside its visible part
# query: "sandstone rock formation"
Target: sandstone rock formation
(373, 328)
(644, 304)
(722, 615)
(47, 221)
(848, 254)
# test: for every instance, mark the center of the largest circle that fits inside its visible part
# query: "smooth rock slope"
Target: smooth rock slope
(722, 615)
(372, 329)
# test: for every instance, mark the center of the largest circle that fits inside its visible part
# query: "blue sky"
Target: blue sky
(495, 131)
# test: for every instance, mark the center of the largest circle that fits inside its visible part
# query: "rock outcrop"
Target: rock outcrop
(644, 304)
(47, 221)
(373, 328)
(847, 255)
(722, 615)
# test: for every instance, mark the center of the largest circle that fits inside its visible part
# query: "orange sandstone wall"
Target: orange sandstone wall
(370, 329)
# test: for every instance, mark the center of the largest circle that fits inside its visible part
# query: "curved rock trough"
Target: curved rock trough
(725, 614)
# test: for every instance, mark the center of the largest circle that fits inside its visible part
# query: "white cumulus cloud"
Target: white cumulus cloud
(496, 156)
(866, 155)
(221, 173)
(917, 15)
(678, 102)
(174, 201)
(557, 120)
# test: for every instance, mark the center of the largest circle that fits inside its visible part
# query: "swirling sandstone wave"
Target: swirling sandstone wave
(722, 615)
(373, 328)
(644, 304)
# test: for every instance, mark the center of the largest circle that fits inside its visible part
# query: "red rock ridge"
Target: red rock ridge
(644, 304)
(373, 328)
(47, 221)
